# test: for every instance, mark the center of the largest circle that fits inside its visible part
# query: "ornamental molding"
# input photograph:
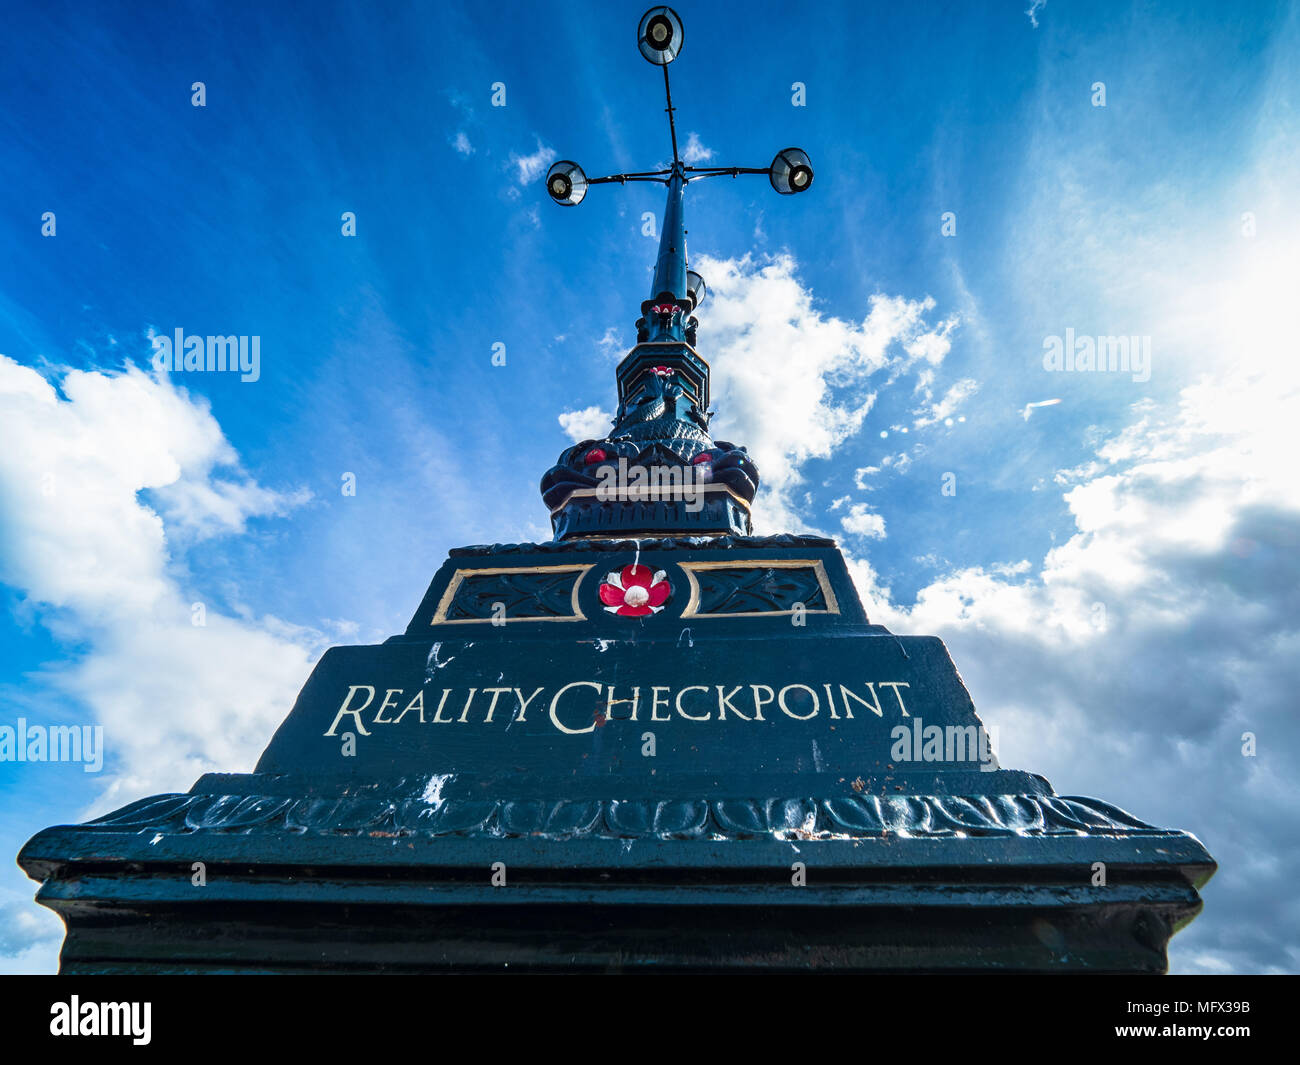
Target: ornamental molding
(846, 817)
(651, 542)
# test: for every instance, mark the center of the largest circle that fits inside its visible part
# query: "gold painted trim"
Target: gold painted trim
(693, 604)
(651, 498)
(440, 615)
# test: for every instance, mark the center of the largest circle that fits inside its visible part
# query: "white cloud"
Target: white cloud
(30, 937)
(611, 344)
(899, 463)
(590, 423)
(934, 345)
(1035, 6)
(862, 521)
(695, 152)
(946, 407)
(760, 323)
(462, 144)
(1130, 663)
(101, 566)
(206, 505)
(1130, 660)
(861, 474)
(529, 168)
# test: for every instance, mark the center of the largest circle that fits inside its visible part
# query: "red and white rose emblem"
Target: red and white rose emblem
(632, 592)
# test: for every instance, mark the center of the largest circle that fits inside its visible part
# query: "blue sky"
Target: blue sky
(859, 352)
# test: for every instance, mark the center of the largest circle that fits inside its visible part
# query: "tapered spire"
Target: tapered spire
(670, 267)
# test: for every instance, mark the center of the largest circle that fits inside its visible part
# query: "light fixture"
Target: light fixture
(659, 36)
(676, 291)
(695, 288)
(791, 171)
(566, 183)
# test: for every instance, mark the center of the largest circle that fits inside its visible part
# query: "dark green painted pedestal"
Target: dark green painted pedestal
(747, 778)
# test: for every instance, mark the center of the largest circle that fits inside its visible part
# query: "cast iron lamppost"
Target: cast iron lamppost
(659, 37)
(370, 835)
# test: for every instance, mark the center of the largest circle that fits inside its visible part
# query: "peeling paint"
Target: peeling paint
(433, 791)
(434, 663)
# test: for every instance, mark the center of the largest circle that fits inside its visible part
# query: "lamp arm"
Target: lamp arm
(672, 125)
(696, 172)
(647, 175)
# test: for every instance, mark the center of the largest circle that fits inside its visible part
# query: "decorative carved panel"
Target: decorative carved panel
(543, 593)
(758, 588)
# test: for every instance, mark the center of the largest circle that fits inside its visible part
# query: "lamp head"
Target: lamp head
(695, 288)
(659, 36)
(791, 171)
(566, 183)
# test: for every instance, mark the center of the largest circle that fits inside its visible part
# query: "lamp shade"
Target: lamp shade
(566, 183)
(695, 288)
(659, 36)
(791, 171)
